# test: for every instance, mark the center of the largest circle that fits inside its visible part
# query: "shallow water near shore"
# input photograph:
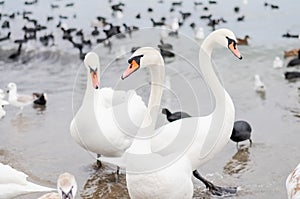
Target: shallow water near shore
(38, 142)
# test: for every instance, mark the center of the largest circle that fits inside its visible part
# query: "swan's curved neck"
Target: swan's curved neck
(142, 144)
(209, 74)
(88, 99)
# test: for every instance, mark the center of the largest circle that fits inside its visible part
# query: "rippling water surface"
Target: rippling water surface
(38, 142)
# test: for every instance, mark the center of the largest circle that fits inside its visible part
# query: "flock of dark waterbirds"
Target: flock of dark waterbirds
(102, 29)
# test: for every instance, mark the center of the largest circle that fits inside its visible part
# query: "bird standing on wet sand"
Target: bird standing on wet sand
(66, 188)
(241, 132)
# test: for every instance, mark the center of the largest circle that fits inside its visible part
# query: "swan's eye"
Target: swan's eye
(231, 42)
(137, 59)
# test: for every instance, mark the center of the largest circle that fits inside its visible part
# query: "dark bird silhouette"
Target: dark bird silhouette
(150, 10)
(178, 3)
(205, 16)
(236, 9)
(63, 17)
(138, 16)
(185, 15)
(113, 30)
(5, 24)
(292, 75)
(117, 7)
(5, 37)
(41, 99)
(54, 6)
(69, 4)
(241, 18)
(157, 23)
(212, 2)
(295, 61)
(95, 32)
(274, 6)
(288, 35)
(165, 46)
(198, 3)
(205, 8)
(50, 18)
(171, 117)
(16, 54)
(30, 2)
(241, 132)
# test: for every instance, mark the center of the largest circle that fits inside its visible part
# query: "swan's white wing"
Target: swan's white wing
(110, 97)
(10, 175)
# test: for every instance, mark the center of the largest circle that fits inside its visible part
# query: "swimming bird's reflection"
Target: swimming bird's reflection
(104, 183)
(238, 163)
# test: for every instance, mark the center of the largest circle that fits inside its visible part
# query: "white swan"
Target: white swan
(98, 125)
(146, 174)
(293, 184)
(66, 188)
(14, 183)
(2, 111)
(200, 138)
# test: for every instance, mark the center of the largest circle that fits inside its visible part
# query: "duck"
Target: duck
(291, 53)
(41, 98)
(295, 61)
(171, 117)
(259, 86)
(277, 63)
(292, 75)
(207, 141)
(2, 111)
(96, 127)
(241, 132)
(243, 41)
(292, 184)
(66, 188)
(14, 183)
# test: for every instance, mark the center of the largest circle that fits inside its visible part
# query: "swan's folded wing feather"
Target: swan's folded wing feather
(10, 175)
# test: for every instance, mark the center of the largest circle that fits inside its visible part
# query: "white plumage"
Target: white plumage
(14, 183)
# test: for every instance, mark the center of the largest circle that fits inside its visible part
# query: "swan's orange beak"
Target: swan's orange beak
(95, 79)
(232, 47)
(133, 66)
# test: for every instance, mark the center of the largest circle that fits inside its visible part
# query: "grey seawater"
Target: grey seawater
(38, 142)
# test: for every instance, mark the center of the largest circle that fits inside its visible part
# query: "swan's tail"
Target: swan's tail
(31, 187)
